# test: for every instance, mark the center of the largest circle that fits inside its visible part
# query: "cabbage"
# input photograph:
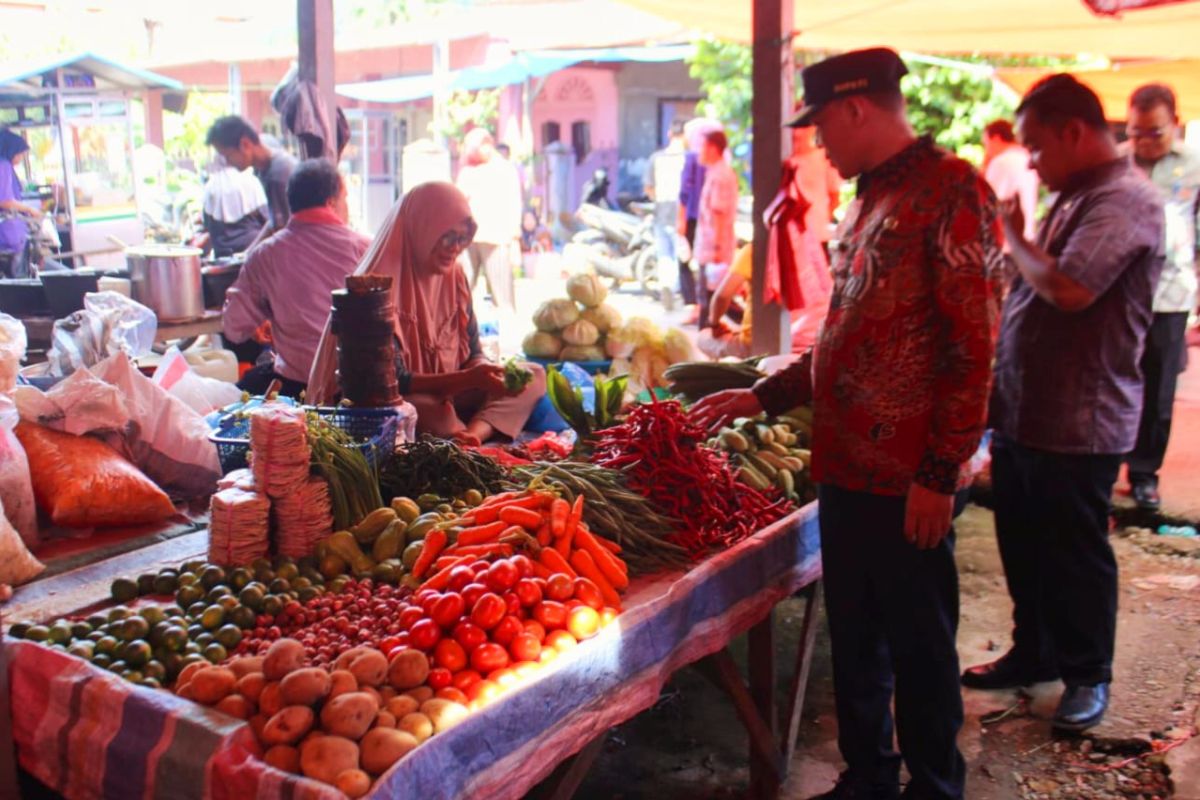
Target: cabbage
(677, 346)
(586, 288)
(603, 316)
(540, 344)
(637, 332)
(554, 315)
(581, 352)
(580, 332)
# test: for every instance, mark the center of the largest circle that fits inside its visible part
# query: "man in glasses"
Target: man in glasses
(1157, 151)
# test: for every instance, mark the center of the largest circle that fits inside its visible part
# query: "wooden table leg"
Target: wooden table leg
(565, 781)
(766, 775)
(808, 636)
(722, 670)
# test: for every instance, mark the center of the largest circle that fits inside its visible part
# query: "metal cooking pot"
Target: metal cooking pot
(167, 279)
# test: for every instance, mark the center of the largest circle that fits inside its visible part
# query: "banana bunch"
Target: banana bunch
(697, 379)
(771, 451)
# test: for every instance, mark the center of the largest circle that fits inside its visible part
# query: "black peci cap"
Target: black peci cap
(858, 72)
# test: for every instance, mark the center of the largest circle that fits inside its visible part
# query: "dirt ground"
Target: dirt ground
(690, 746)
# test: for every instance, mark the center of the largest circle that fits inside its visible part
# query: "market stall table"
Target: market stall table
(39, 329)
(87, 733)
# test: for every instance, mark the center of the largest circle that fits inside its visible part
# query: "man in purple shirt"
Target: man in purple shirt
(1067, 396)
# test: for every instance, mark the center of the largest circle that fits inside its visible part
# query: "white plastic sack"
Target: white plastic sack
(17, 564)
(202, 394)
(12, 350)
(109, 323)
(132, 326)
(16, 487)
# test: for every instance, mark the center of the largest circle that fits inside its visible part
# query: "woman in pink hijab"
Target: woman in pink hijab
(441, 369)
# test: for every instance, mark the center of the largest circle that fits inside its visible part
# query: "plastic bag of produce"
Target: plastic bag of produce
(12, 350)
(17, 564)
(16, 488)
(109, 323)
(81, 482)
(200, 393)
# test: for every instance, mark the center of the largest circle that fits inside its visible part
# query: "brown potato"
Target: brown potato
(349, 715)
(187, 673)
(344, 660)
(342, 682)
(369, 667)
(245, 665)
(408, 669)
(375, 694)
(257, 723)
(284, 656)
(283, 757)
(211, 686)
(383, 747)
(420, 694)
(251, 686)
(401, 705)
(353, 783)
(417, 724)
(288, 726)
(326, 757)
(270, 699)
(444, 714)
(384, 719)
(305, 687)
(236, 706)
(387, 693)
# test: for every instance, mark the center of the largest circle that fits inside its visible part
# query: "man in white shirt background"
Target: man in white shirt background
(1006, 169)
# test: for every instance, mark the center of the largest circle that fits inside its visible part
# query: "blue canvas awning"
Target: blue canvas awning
(518, 69)
(109, 74)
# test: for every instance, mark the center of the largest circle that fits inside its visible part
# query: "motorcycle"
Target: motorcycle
(618, 245)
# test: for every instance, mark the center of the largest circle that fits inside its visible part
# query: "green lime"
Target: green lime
(251, 597)
(384, 572)
(193, 566)
(205, 639)
(80, 629)
(228, 603)
(196, 609)
(107, 645)
(19, 629)
(217, 592)
(154, 670)
(151, 683)
(211, 576)
(264, 575)
(272, 605)
(175, 639)
(157, 632)
(137, 652)
(95, 636)
(411, 553)
(187, 579)
(186, 595)
(411, 582)
(191, 649)
(133, 675)
(213, 617)
(172, 663)
(314, 577)
(97, 621)
(153, 614)
(280, 586)
(243, 617)
(215, 653)
(308, 594)
(229, 636)
(191, 658)
(84, 649)
(60, 633)
(101, 660)
(118, 613)
(338, 584)
(173, 611)
(166, 583)
(288, 571)
(240, 578)
(117, 666)
(145, 584)
(195, 630)
(134, 628)
(332, 566)
(301, 583)
(123, 590)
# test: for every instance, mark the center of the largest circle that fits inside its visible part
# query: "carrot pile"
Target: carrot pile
(541, 524)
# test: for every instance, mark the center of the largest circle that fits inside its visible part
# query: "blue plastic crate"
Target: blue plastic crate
(374, 430)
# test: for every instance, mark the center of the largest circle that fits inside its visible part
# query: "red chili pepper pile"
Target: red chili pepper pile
(658, 448)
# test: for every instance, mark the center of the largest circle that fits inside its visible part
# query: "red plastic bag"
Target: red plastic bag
(81, 482)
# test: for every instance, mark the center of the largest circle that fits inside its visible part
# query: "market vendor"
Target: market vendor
(235, 208)
(899, 388)
(13, 230)
(440, 365)
(287, 279)
(239, 144)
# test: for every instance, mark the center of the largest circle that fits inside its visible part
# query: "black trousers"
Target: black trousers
(258, 378)
(893, 617)
(1052, 526)
(1164, 358)
(687, 278)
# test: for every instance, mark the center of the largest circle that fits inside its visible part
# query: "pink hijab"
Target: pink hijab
(432, 308)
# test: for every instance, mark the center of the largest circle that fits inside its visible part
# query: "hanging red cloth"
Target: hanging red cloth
(797, 274)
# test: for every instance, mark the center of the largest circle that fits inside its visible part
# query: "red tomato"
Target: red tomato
(583, 622)
(439, 678)
(573, 603)
(409, 617)
(528, 592)
(588, 593)
(504, 678)
(561, 641)
(450, 655)
(547, 655)
(489, 657)
(488, 611)
(425, 635)
(465, 679)
(469, 635)
(452, 693)
(607, 615)
(448, 609)
(534, 627)
(422, 594)
(508, 628)
(513, 604)
(459, 578)
(541, 582)
(429, 601)
(482, 693)
(480, 567)
(501, 576)
(472, 592)
(526, 669)
(551, 614)
(560, 587)
(523, 564)
(386, 646)
(525, 647)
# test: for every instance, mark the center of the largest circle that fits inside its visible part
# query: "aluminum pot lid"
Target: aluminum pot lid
(163, 251)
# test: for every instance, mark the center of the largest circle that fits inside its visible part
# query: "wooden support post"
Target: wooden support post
(152, 113)
(808, 637)
(773, 99)
(765, 777)
(766, 768)
(315, 23)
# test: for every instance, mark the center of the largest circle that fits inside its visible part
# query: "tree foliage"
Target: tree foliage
(466, 110)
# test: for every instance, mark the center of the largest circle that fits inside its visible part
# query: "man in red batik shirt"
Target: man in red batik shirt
(899, 383)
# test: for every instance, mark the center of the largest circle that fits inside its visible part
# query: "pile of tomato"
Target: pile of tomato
(492, 627)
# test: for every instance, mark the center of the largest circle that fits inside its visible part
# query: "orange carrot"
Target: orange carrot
(527, 519)
(543, 534)
(555, 562)
(540, 570)
(491, 512)
(435, 542)
(441, 578)
(477, 550)
(481, 534)
(608, 544)
(559, 511)
(605, 561)
(583, 563)
(575, 518)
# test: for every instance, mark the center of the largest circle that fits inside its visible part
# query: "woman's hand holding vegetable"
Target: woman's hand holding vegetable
(718, 409)
(485, 376)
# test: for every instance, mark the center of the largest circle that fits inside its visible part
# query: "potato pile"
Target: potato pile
(345, 726)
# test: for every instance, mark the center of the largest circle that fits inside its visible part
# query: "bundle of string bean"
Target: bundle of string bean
(353, 482)
(612, 510)
(440, 467)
